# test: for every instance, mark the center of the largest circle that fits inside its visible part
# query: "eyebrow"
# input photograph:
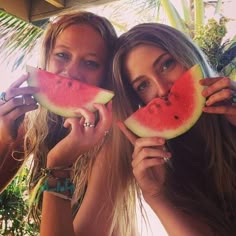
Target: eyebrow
(68, 48)
(154, 64)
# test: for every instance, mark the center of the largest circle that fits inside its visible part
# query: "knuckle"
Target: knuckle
(226, 81)
(144, 151)
(15, 101)
(137, 142)
(227, 93)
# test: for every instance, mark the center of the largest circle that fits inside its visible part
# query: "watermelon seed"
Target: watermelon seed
(176, 117)
(168, 103)
(69, 84)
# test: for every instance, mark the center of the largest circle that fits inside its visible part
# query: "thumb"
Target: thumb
(67, 123)
(129, 135)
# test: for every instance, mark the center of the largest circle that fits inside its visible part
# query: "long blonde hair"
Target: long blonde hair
(218, 156)
(45, 129)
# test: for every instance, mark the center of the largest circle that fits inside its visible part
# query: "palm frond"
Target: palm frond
(173, 15)
(17, 40)
(198, 14)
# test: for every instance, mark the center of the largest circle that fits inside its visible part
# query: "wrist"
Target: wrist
(57, 172)
(60, 187)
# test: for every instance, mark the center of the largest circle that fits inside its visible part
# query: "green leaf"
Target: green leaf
(198, 14)
(187, 12)
(174, 18)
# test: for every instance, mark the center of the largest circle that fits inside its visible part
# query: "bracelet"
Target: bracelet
(63, 185)
(50, 172)
(61, 196)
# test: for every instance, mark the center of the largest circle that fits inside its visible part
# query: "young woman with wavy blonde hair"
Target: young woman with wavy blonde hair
(69, 151)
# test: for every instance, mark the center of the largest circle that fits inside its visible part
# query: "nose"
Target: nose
(162, 87)
(72, 71)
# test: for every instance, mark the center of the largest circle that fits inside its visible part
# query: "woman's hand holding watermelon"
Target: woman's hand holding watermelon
(220, 93)
(14, 103)
(81, 138)
(148, 163)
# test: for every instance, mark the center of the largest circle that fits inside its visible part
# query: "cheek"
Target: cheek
(52, 66)
(180, 71)
(95, 78)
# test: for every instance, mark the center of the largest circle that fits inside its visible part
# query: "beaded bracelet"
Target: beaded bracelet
(63, 185)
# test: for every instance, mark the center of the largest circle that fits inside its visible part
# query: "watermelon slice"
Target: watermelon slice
(171, 117)
(62, 95)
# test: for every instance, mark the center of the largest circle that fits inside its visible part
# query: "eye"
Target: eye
(168, 65)
(142, 86)
(62, 55)
(91, 64)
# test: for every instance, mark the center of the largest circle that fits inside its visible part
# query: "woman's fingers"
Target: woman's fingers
(140, 143)
(129, 135)
(18, 105)
(147, 153)
(20, 81)
(214, 85)
(219, 92)
(224, 110)
(89, 119)
(146, 164)
(222, 95)
(105, 117)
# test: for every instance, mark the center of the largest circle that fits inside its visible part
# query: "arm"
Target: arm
(13, 106)
(175, 221)
(93, 217)
(149, 171)
(9, 165)
(56, 213)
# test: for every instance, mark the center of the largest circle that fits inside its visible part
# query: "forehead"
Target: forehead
(81, 34)
(142, 57)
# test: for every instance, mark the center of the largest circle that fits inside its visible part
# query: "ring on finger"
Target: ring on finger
(89, 125)
(166, 159)
(23, 100)
(3, 97)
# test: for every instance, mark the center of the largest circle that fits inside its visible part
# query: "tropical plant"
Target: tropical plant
(14, 208)
(209, 36)
(17, 40)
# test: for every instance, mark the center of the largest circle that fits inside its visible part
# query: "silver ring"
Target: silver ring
(3, 96)
(106, 133)
(89, 125)
(166, 159)
(23, 100)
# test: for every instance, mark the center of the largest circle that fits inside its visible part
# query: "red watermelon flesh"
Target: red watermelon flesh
(62, 95)
(171, 117)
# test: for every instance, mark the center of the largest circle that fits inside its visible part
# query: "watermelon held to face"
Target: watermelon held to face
(62, 95)
(171, 117)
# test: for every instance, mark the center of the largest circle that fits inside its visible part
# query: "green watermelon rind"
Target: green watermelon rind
(103, 96)
(137, 128)
(70, 112)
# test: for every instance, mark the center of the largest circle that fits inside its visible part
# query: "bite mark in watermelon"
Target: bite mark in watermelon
(62, 95)
(171, 117)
